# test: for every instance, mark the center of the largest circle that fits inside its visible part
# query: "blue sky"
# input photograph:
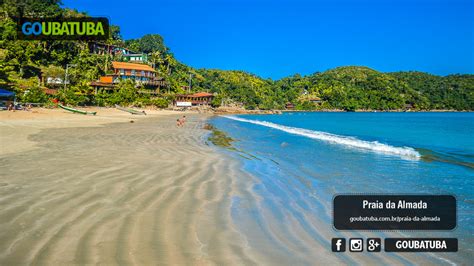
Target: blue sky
(282, 37)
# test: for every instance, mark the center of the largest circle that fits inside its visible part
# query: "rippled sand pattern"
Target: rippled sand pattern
(141, 193)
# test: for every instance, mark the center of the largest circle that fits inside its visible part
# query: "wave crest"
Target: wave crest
(351, 142)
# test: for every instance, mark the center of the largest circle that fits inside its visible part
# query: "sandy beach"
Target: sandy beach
(81, 189)
(18, 125)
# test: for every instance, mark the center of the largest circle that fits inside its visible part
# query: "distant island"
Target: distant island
(90, 73)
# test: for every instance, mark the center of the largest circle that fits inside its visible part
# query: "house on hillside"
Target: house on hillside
(110, 49)
(289, 106)
(315, 100)
(140, 73)
(312, 98)
(196, 99)
(118, 52)
(135, 58)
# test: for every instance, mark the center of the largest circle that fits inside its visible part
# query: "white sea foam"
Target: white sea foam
(350, 142)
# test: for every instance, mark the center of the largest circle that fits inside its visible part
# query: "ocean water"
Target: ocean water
(301, 160)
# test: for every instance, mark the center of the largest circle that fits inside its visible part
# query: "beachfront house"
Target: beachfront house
(195, 99)
(142, 74)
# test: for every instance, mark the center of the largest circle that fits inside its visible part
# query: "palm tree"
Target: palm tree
(157, 58)
(170, 62)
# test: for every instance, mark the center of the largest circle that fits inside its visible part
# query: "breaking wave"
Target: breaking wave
(351, 142)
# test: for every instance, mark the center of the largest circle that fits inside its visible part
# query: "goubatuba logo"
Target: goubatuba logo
(63, 29)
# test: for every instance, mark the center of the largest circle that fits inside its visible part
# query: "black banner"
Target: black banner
(421, 245)
(394, 212)
(63, 28)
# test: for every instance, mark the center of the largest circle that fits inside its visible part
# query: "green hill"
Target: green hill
(449, 92)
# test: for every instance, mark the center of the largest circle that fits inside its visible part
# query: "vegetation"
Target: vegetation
(450, 92)
(24, 64)
(219, 138)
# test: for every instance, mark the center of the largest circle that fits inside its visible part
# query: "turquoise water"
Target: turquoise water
(304, 159)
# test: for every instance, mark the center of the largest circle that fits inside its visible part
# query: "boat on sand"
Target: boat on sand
(76, 110)
(130, 110)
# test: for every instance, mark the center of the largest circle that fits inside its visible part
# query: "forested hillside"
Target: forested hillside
(23, 63)
(450, 92)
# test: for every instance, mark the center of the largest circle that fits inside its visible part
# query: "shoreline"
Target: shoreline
(274, 173)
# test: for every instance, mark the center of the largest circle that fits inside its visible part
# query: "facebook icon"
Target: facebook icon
(338, 244)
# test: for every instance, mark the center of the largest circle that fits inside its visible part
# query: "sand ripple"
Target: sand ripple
(137, 193)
